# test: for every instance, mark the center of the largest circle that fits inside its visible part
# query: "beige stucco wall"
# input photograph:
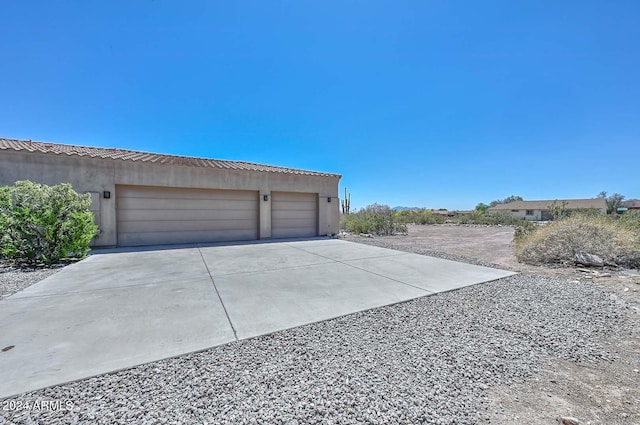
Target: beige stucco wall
(98, 175)
(537, 214)
(328, 215)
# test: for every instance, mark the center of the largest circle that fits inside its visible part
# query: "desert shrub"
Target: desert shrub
(427, 217)
(560, 241)
(418, 217)
(463, 219)
(631, 221)
(480, 217)
(44, 224)
(376, 219)
(355, 223)
(558, 209)
(523, 229)
(405, 216)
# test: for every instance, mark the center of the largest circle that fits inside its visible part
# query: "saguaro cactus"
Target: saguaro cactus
(346, 202)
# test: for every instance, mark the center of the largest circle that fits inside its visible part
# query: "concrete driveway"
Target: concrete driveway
(120, 308)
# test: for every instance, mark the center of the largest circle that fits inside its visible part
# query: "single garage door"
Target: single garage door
(161, 215)
(294, 214)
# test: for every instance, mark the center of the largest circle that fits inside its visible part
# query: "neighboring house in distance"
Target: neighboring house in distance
(541, 210)
(444, 213)
(448, 213)
(632, 204)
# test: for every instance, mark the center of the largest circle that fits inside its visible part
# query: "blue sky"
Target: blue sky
(442, 104)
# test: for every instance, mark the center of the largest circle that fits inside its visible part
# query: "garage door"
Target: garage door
(161, 215)
(294, 214)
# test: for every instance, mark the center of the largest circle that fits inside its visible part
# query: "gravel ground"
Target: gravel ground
(432, 360)
(13, 280)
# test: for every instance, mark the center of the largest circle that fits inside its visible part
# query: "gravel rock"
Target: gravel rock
(14, 280)
(589, 259)
(429, 360)
(565, 420)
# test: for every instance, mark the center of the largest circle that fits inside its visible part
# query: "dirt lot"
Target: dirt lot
(602, 393)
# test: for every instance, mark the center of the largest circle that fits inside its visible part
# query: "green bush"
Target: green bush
(418, 217)
(376, 219)
(523, 229)
(44, 224)
(480, 217)
(355, 223)
(631, 221)
(559, 241)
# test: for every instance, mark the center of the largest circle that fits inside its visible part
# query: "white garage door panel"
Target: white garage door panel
(294, 214)
(160, 215)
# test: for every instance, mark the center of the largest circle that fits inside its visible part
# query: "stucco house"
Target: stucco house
(631, 204)
(141, 198)
(541, 210)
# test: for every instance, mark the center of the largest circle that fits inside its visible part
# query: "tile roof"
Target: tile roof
(632, 203)
(156, 158)
(544, 205)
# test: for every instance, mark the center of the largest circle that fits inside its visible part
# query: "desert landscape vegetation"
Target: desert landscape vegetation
(557, 343)
(584, 249)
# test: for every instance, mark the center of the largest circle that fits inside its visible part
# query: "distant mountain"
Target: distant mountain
(406, 208)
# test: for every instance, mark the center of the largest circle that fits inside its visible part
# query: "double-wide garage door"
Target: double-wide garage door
(161, 215)
(149, 215)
